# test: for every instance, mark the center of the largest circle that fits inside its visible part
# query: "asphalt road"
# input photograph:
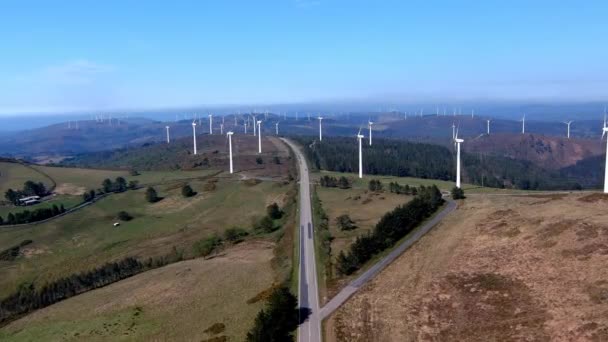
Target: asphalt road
(356, 284)
(308, 290)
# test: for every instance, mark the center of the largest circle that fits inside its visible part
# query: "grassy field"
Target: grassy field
(503, 268)
(85, 239)
(178, 302)
(13, 175)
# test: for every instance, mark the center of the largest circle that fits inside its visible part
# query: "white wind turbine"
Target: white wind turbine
(222, 129)
(568, 123)
(320, 128)
(210, 123)
(604, 130)
(360, 138)
(168, 138)
(457, 142)
(276, 127)
(194, 135)
(229, 134)
(523, 124)
(453, 131)
(254, 128)
(370, 123)
(488, 122)
(245, 125)
(259, 136)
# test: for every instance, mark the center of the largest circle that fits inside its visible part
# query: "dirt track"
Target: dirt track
(501, 269)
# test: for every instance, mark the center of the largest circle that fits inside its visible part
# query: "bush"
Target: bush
(151, 195)
(124, 216)
(457, 193)
(187, 191)
(276, 160)
(345, 222)
(265, 225)
(206, 246)
(235, 234)
(375, 185)
(133, 184)
(274, 212)
(259, 160)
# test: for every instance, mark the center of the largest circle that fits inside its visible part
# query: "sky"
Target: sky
(59, 56)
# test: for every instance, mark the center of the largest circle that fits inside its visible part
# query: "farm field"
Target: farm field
(13, 175)
(180, 301)
(499, 268)
(86, 239)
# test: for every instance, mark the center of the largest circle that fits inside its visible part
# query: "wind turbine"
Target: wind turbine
(259, 136)
(457, 142)
(222, 129)
(320, 128)
(370, 123)
(523, 124)
(360, 138)
(245, 125)
(453, 131)
(168, 139)
(472, 113)
(605, 129)
(254, 128)
(568, 124)
(194, 135)
(210, 123)
(229, 134)
(488, 121)
(276, 127)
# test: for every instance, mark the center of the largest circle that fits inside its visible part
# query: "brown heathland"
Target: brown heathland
(500, 268)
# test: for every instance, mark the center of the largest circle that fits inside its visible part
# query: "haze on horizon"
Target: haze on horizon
(110, 55)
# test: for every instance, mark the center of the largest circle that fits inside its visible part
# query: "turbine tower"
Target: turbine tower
(229, 134)
(523, 124)
(245, 125)
(360, 138)
(453, 131)
(254, 128)
(457, 142)
(488, 121)
(210, 123)
(259, 136)
(276, 127)
(194, 135)
(222, 129)
(605, 129)
(370, 123)
(168, 139)
(568, 124)
(320, 128)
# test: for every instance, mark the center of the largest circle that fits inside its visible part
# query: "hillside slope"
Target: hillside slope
(500, 268)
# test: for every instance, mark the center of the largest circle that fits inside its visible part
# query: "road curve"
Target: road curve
(356, 284)
(308, 290)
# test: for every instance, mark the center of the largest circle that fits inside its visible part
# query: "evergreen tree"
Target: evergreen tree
(151, 195)
(107, 185)
(274, 212)
(187, 191)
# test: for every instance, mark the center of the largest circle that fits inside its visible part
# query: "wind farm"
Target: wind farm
(303, 171)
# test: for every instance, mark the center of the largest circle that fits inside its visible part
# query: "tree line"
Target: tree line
(393, 226)
(30, 188)
(333, 182)
(30, 216)
(28, 297)
(411, 159)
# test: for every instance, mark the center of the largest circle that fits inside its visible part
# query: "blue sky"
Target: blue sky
(100, 55)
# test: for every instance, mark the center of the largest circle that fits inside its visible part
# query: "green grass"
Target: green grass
(85, 178)
(85, 239)
(13, 175)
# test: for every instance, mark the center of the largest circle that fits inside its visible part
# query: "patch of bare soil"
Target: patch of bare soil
(497, 269)
(595, 197)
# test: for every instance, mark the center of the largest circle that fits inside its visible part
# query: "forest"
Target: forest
(421, 160)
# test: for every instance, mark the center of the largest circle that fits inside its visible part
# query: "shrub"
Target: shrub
(259, 160)
(265, 225)
(274, 212)
(457, 193)
(276, 160)
(235, 234)
(187, 191)
(124, 216)
(133, 184)
(375, 185)
(345, 222)
(151, 195)
(206, 246)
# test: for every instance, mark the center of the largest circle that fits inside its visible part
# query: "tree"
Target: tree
(457, 193)
(61, 208)
(124, 216)
(151, 195)
(375, 185)
(278, 321)
(107, 185)
(259, 160)
(133, 184)
(120, 184)
(343, 183)
(1, 221)
(12, 196)
(206, 246)
(10, 219)
(187, 191)
(274, 212)
(345, 222)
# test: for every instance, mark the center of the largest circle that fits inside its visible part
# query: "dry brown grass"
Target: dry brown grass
(473, 279)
